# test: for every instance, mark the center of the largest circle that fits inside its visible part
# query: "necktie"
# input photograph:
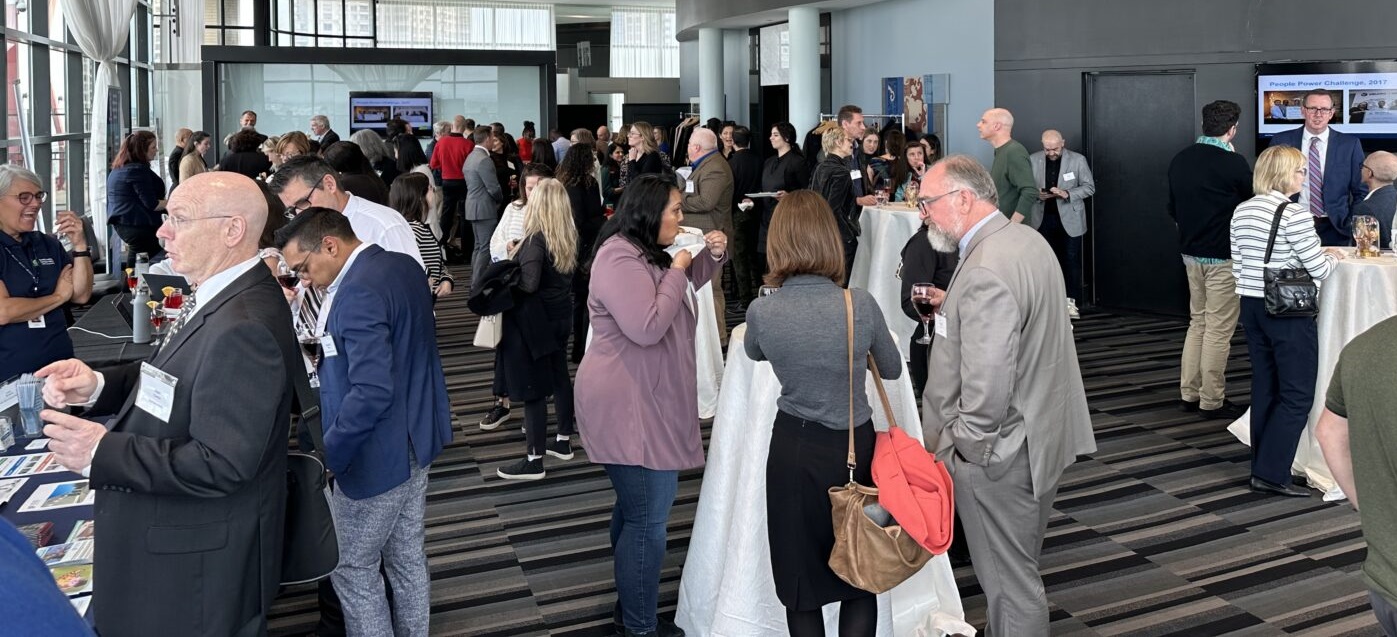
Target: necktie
(1316, 179)
(185, 312)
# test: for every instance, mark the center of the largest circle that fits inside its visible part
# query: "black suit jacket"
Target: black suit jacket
(746, 175)
(1382, 203)
(191, 511)
(328, 138)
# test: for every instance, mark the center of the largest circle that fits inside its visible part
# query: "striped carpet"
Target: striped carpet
(1156, 534)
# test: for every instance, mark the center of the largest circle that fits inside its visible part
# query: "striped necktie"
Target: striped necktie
(1316, 179)
(185, 312)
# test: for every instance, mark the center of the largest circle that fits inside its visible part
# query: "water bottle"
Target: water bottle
(142, 263)
(140, 313)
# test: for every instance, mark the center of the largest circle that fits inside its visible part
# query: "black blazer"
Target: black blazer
(370, 187)
(782, 172)
(921, 264)
(246, 162)
(1381, 204)
(172, 163)
(537, 327)
(588, 215)
(191, 511)
(328, 138)
(746, 174)
(831, 179)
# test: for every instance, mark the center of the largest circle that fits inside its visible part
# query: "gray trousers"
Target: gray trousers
(1004, 526)
(1385, 612)
(385, 527)
(481, 229)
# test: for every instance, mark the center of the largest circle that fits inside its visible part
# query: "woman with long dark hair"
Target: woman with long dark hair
(136, 196)
(408, 195)
(783, 173)
(408, 152)
(193, 162)
(577, 175)
(534, 346)
(637, 387)
(543, 153)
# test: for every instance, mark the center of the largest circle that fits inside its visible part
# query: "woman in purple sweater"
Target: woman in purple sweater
(637, 387)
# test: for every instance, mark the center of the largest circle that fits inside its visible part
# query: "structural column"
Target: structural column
(805, 68)
(711, 102)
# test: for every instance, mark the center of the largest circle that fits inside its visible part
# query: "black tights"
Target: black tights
(857, 618)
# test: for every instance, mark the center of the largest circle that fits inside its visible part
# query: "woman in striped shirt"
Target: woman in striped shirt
(1284, 350)
(408, 195)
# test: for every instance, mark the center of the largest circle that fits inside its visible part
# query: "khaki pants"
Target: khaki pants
(1213, 309)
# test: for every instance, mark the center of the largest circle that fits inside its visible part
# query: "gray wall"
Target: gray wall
(916, 37)
(1042, 48)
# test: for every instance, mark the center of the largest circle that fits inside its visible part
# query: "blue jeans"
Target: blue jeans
(638, 520)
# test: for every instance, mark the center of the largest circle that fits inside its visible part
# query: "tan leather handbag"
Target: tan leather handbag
(867, 555)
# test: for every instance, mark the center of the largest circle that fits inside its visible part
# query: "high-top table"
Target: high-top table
(102, 337)
(885, 230)
(1358, 294)
(727, 587)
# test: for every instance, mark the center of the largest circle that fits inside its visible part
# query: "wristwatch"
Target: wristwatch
(82, 253)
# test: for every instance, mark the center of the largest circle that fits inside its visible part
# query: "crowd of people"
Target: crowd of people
(589, 247)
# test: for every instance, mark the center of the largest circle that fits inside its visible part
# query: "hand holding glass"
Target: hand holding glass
(922, 295)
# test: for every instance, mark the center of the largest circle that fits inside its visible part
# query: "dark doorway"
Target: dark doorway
(1135, 123)
(773, 108)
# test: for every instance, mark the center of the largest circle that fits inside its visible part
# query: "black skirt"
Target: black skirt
(805, 460)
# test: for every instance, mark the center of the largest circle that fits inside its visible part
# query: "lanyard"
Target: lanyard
(20, 261)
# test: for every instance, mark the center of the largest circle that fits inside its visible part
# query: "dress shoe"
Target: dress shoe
(1188, 407)
(1226, 411)
(1288, 490)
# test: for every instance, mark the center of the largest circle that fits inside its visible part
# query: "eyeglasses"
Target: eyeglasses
(299, 269)
(27, 198)
(926, 203)
(302, 203)
(177, 222)
(1317, 109)
(1366, 166)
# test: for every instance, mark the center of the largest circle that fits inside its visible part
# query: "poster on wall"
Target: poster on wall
(914, 106)
(892, 95)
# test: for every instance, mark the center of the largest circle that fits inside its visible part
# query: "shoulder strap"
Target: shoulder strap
(310, 405)
(882, 392)
(1271, 241)
(851, 462)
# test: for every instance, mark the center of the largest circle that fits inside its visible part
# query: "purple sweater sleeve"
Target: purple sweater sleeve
(625, 285)
(703, 266)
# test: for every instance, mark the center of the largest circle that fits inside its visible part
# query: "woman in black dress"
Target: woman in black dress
(782, 173)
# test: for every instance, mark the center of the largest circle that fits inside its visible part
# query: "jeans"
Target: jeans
(1284, 362)
(480, 257)
(1213, 306)
(638, 520)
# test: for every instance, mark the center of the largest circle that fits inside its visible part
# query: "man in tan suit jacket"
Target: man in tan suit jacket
(707, 204)
(1004, 406)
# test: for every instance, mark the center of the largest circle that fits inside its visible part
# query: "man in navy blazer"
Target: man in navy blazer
(385, 411)
(1333, 162)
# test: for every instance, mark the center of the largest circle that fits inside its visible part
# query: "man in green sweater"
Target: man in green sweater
(1012, 172)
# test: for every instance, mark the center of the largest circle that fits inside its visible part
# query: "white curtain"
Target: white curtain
(100, 28)
(376, 77)
(465, 24)
(643, 42)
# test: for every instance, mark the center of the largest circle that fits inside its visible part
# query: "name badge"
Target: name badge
(156, 393)
(327, 346)
(690, 188)
(940, 326)
(855, 174)
(46, 261)
(1069, 176)
(38, 323)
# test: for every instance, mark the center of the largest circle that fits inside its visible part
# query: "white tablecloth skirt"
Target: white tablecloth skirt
(885, 230)
(727, 587)
(1359, 294)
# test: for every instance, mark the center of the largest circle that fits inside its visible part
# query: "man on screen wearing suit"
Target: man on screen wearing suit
(1004, 405)
(1333, 165)
(191, 476)
(1060, 214)
(386, 415)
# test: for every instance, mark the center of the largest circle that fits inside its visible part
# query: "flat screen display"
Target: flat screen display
(1364, 94)
(371, 110)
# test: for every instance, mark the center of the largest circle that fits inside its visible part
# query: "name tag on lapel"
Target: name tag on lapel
(327, 346)
(855, 174)
(156, 393)
(940, 325)
(1069, 176)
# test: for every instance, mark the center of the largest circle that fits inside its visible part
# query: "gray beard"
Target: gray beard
(940, 240)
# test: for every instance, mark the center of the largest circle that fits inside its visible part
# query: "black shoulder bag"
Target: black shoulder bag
(1289, 292)
(310, 550)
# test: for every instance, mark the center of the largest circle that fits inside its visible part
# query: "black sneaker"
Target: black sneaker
(1226, 411)
(662, 629)
(560, 449)
(1188, 406)
(496, 417)
(523, 470)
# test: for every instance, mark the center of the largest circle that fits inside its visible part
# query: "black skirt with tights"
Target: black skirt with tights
(805, 460)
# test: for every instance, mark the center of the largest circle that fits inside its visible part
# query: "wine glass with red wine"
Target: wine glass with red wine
(921, 301)
(285, 276)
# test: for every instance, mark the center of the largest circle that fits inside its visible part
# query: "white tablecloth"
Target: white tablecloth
(727, 588)
(885, 230)
(1359, 294)
(708, 350)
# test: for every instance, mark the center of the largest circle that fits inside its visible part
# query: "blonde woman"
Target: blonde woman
(831, 179)
(643, 158)
(534, 346)
(268, 149)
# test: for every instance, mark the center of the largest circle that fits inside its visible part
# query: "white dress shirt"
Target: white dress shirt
(383, 226)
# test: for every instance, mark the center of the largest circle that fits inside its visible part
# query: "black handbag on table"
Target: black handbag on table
(310, 550)
(1289, 292)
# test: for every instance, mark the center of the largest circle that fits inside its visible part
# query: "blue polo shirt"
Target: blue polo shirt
(30, 269)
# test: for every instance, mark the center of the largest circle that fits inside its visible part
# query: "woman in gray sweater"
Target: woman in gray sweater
(802, 331)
